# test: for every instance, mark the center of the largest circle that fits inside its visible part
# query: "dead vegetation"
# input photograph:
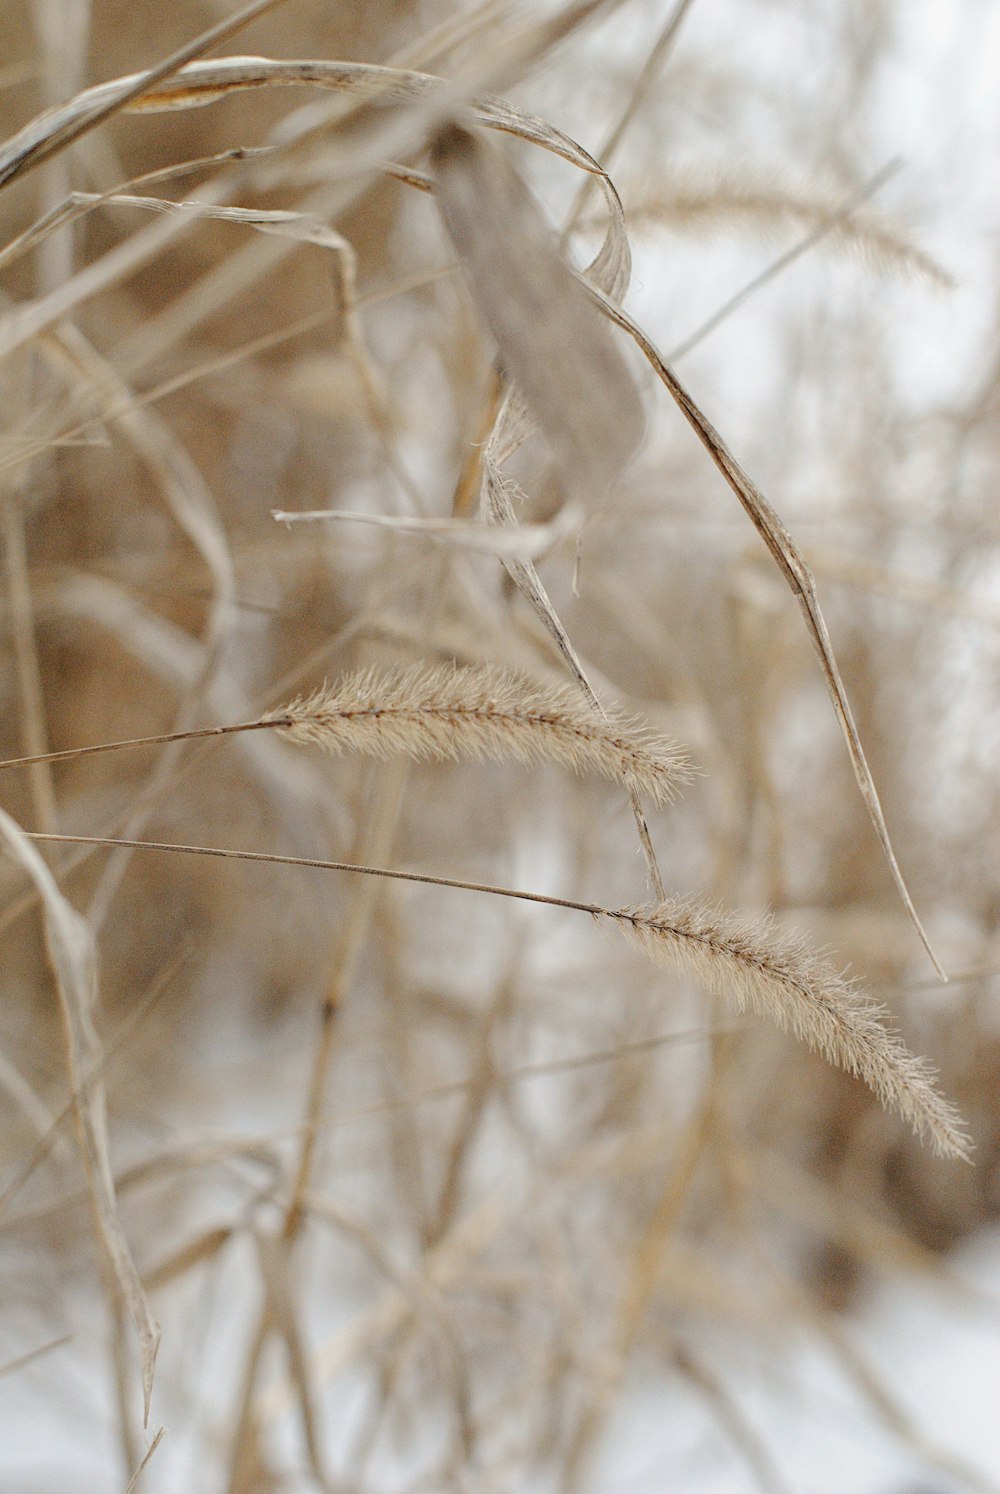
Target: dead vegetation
(338, 1142)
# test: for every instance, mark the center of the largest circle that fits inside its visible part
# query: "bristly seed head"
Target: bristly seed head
(776, 975)
(483, 712)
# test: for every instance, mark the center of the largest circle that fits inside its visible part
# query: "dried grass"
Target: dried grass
(365, 1142)
(452, 713)
(803, 993)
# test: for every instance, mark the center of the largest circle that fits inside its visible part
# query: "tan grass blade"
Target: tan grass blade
(58, 127)
(501, 194)
(525, 542)
(304, 227)
(610, 270)
(200, 83)
(481, 712)
(430, 100)
(572, 377)
(74, 960)
(133, 1482)
(76, 205)
(793, 566)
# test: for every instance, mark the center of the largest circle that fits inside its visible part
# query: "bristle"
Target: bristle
(482, 712)
(779, 977)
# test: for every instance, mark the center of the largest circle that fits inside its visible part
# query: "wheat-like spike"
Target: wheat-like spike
(482, 711)
(769, 207)
(776, 975)
(768, 972)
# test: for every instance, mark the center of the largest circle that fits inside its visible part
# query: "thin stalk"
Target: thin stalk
(274, 859)
(807, 242)
(644, 82)
(29, 674)
(766, 971)
(71, 753)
